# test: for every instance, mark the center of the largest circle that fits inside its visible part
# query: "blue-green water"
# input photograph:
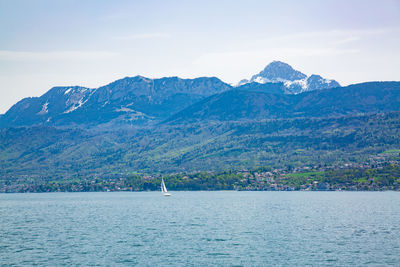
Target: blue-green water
(201, 228)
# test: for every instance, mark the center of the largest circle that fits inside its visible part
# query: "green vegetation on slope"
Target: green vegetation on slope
(53, 153)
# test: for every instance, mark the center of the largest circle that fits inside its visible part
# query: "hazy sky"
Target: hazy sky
(44, 43)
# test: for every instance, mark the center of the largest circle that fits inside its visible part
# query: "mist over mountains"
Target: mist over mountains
(279, 117)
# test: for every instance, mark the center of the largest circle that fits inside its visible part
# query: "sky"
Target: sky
(46, 43)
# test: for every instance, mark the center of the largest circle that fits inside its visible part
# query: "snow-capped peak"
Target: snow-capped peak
(295, 81)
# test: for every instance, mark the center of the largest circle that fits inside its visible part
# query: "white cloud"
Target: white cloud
(143, 36)
(347, 40)
(334, 34)
(55, 55)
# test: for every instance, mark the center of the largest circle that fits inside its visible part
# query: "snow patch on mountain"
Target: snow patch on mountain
(297, 85)
(76, 105)
(76, 98)
(45, 109)
(124, 109)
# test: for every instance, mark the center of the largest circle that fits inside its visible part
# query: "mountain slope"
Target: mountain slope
(129, 100)
(272, 88)
(55, 153)
(156, 98)
(249, 105)
(35, 110)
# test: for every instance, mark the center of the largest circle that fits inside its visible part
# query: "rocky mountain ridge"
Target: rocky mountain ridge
(129, 100)
(294, 81)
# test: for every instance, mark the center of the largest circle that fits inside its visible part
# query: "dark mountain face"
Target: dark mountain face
(250, 105)
(235, 105)
(129, 100)
(156, 98)
(272, 88)
(157, 90)
(278, 70)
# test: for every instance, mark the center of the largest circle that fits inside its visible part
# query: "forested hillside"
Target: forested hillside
(53, 152)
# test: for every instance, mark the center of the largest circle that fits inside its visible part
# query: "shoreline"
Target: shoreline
(177, 191)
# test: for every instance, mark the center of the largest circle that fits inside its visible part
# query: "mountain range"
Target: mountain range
(141, 101)
(279, 117)
(131, 100)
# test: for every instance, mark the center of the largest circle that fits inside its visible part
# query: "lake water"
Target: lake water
(201, 229)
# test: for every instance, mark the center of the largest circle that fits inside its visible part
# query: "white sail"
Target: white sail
(164, 189)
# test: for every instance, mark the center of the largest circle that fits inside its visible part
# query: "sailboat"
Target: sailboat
(164, 190)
